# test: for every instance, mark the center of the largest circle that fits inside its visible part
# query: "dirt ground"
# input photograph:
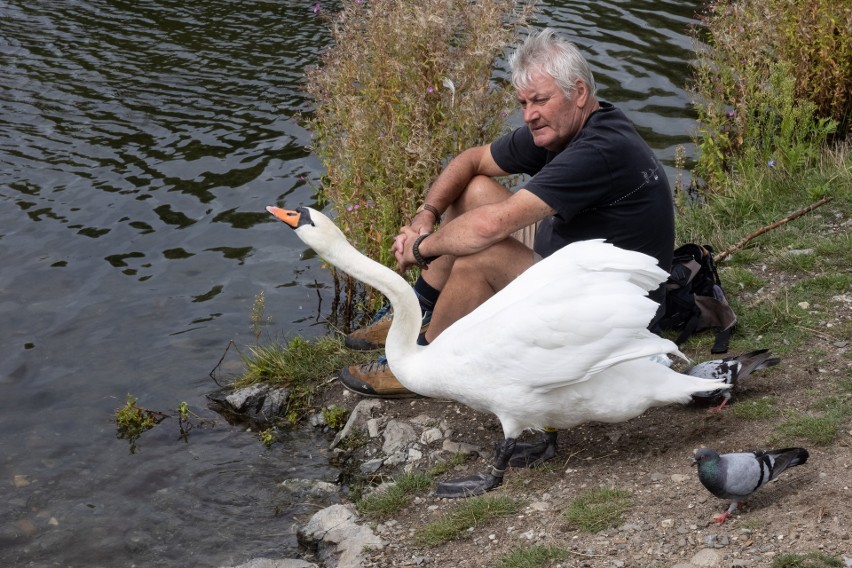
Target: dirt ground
(808, 509)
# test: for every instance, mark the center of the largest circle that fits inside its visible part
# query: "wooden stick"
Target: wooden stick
(721, 256)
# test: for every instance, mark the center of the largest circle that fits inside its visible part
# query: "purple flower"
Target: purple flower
(349, 208)
(316, 7)
(771, 163)
(430, 90)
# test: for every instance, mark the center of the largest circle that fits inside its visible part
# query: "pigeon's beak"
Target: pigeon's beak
(694, 463)
(289, 217)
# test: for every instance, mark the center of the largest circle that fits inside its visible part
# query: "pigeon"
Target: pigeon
(737, 476)
(731, 370)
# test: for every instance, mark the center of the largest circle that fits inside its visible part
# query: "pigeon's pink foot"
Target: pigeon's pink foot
(720, 407)
(721, 518)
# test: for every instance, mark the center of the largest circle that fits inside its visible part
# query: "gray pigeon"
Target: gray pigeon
(738, 476)
(731, 370)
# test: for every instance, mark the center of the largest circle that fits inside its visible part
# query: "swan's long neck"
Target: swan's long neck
(402, 337)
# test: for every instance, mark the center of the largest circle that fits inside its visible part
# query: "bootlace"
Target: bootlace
(376, 365)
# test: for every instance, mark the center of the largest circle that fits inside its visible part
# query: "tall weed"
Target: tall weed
(758, 105)
(404, 87)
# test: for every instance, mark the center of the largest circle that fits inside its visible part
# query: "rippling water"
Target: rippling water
(139, 143)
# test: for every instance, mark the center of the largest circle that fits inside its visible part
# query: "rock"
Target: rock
(359, 416)
(334, 535)
(258, 403)
(705, 557)
(371, 466)
(270, 563)
(431, 435)
(459, 447)
(398, 436)
(373, 428)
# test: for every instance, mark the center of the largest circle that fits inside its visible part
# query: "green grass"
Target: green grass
(532, 557)
(815, 430)
(472, 513)
(830, 415)
(807, 560)
(760, 409)
(301, 366)
(598, 509)
(394, 497)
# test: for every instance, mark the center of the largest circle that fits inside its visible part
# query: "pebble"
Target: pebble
(705, 557)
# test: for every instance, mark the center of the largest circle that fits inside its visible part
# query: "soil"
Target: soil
(808, 509)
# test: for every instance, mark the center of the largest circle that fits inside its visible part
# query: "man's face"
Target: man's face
(552, 117)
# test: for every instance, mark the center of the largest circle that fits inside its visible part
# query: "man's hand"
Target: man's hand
(402, 245)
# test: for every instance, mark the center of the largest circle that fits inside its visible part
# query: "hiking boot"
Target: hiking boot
(373, 335)
(374, 379)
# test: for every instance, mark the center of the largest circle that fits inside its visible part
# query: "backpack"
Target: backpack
(694, 297)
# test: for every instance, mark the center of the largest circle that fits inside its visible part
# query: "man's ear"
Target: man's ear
(581, 91)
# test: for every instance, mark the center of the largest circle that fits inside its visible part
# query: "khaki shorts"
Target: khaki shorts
(526, 235)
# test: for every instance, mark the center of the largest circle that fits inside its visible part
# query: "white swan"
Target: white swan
(564, 343)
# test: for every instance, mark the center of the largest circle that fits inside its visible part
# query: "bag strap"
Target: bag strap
(722, 340)
(688, 329)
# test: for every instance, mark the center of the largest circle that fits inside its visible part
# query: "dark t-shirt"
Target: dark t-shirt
(606, 183)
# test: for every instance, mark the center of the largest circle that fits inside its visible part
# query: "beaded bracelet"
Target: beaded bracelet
(421, 261)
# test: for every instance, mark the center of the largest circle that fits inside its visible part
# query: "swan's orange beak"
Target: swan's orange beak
(289, 217)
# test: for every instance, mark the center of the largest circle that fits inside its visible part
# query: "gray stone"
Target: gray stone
(359, 416)
(373, 428)
(431, 435)
(257, 402)
(398, 436)
(706, 557)
(459, 447)
(337, 539)
(371, 466)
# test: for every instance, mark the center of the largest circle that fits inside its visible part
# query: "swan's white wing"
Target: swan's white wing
(569, 316)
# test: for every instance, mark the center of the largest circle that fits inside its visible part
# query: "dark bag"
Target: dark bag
(694, 297)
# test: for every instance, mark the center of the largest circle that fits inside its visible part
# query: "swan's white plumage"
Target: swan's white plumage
(564, 343)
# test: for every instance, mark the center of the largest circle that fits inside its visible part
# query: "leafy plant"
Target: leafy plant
(131, 421)
(335, 416)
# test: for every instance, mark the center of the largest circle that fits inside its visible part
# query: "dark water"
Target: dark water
(139, 143)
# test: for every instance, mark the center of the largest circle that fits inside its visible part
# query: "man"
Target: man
(592, 177)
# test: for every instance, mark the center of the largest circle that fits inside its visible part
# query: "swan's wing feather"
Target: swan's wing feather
(581, 310)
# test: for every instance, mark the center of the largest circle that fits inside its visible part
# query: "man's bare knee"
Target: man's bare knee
(482, 190)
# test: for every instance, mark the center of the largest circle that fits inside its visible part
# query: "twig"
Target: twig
(721, 256)
(818, 333)
(213, 370)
